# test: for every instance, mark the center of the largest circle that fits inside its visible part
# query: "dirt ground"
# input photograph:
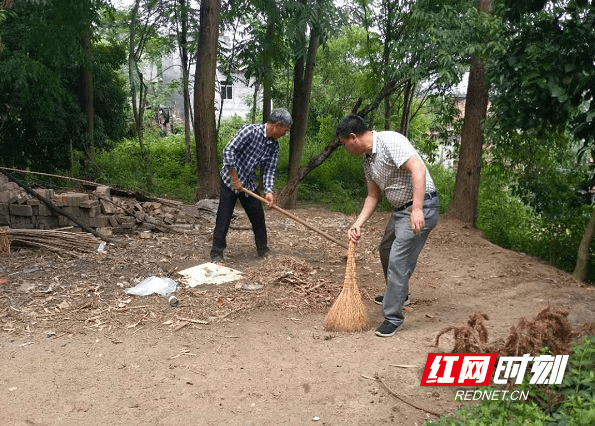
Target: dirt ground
(75, 349)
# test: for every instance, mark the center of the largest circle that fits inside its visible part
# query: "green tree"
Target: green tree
(183, 22)
(145, 18)
(545, 81)
(427, 56)
(42, 117)
(466, 192)
(308, 25)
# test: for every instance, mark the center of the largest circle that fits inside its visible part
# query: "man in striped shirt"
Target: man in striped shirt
(253, 146)
(393, 167)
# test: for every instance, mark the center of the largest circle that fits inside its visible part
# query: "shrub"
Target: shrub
(124, 166)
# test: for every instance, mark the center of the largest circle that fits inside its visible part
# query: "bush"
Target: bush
(444, 180)
(510, 223)
(124, 166)
(503, 218)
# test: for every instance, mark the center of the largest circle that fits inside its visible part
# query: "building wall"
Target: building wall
(242, 90)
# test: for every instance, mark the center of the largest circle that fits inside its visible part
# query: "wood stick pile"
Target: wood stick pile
(54, 240)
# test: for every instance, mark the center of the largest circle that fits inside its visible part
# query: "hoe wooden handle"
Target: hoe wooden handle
(297, 219)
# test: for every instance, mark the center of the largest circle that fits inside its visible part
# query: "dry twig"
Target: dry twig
(393, 393)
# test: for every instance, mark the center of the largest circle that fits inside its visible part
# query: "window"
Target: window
(227, 90)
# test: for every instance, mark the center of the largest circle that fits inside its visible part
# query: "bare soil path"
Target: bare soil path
(75, 349)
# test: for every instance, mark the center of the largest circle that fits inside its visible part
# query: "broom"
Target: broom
(4, 242)
(348, 313)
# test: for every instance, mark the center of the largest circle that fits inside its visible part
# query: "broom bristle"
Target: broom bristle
(348, 313)
(4, 242)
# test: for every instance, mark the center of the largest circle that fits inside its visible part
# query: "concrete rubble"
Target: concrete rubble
(100, 210)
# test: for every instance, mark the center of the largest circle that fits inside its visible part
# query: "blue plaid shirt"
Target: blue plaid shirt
(246, 151)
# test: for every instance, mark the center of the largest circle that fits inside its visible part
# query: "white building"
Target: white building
(237, 93)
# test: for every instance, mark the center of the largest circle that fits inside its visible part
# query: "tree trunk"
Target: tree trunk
(138, 102)
(185, 77)
(466, 191)
(385, 66)
(303, 76)
(266, 101)
(255, 101)
(87, 98)
(133, 72)
(407, 100)
(582, 258)
(204, 100)
(267, 70)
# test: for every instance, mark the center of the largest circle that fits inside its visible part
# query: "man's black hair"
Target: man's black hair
(351, 124)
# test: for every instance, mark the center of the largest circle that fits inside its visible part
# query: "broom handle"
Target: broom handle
(297, 219)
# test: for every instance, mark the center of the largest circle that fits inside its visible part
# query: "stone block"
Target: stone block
(48, 222)
(21, 222)
(8, 186)
(20, 210)
(98, 222)
(107, 207)
(93, 211)
(74, 199)
(45, 193)
(33, 202)
(191, 211)
(106, 232)
(75, 212)
(9, 196)
(22, 198)
(4, 215)
(113, 221)
(103, 191)
(64, 221)
(44, 210)
(60, 200)
(89, 204)
(71, 199)
(126, 219)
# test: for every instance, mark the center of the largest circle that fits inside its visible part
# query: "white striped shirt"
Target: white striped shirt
(390, 150)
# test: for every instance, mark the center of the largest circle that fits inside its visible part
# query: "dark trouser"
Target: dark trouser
(253, 209)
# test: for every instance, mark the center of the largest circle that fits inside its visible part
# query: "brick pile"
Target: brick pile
(98, 210)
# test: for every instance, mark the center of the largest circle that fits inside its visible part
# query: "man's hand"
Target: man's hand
(417, 220)
(270, 199)
(236, 185)
(354, 233)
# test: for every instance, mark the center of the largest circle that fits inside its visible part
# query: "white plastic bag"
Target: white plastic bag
(150, 285)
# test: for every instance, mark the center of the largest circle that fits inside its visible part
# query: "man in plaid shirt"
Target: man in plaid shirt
(253, 146)
(392, 166)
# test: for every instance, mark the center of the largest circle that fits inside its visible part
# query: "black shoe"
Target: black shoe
(217, 258)
(264, 254)
(387, 329)
(378, 300)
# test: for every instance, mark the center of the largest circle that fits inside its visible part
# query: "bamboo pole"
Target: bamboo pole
(297, 219)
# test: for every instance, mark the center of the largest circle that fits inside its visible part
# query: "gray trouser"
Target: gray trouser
(399, 250)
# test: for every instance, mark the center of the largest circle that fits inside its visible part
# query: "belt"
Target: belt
(429, 196)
